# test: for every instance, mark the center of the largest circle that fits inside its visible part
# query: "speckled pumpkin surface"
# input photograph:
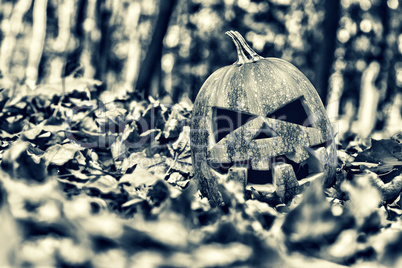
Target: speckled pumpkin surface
(260, 121)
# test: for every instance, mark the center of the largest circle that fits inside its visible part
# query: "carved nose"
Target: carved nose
(265, 132)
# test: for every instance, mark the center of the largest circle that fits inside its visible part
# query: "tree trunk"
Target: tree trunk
(105, 10)
(134, 51)
(91, 35)
(11, 32)
(66, 11)
(150, 64)
(327, 48)
(37, 43)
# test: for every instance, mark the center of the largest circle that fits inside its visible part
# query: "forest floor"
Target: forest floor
(81, 194)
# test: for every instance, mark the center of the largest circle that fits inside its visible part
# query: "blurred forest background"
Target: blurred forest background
(351, 50)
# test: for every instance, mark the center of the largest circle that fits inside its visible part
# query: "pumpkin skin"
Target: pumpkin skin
(260, 121)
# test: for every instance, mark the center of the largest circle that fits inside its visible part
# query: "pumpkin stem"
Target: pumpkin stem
(244, 52)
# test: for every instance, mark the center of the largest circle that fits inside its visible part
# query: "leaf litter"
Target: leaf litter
(92, 184)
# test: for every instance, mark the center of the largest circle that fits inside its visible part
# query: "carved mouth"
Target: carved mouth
(263, 180)
(262, 176)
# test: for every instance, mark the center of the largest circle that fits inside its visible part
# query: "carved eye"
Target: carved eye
(293, 112)
(226, 121)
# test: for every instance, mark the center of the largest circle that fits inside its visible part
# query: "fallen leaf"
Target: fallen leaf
(61, 154)
(140, 176)
(312, 225)
(105, 184)
(19, 162)
(384, 152)
(389, 191)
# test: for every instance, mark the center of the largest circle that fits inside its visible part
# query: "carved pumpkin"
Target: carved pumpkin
(260, 121)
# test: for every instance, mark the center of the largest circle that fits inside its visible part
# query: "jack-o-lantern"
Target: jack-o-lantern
(260, 121)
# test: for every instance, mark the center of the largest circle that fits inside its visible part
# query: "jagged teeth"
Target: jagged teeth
(238, 174)
(318, 160)
(299, 155)
(285, 181)
(319, 153)
(260, 164)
